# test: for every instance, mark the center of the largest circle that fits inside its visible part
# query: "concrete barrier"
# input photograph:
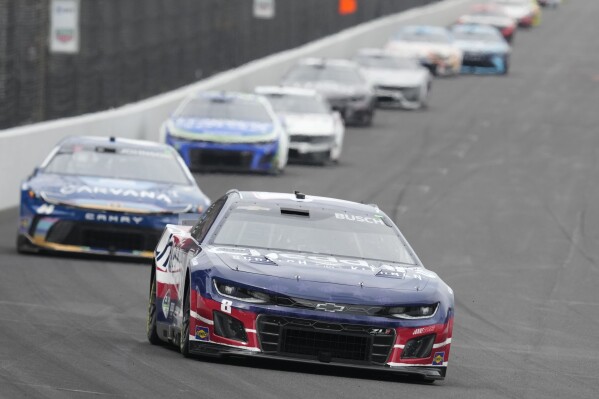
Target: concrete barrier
(23, 148)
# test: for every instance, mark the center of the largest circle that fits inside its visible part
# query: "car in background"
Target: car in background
(341, 82)
(315, 131)
(300, 278)
(485, 49)
(396, 81)
(228, 131)
(106, 196)
(493, 15)
(432, 45)
(526, 12)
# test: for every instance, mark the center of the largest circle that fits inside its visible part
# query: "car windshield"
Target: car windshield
(320, 231)
(487, 36)
(315, 73)
(425, 36)
(225, 109)
(298, 104)
(386, 62)
(156, 165)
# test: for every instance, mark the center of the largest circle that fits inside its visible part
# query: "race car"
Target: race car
(526, 12)
(300, 278)
(493, 15)
(228, 131)
(485, 49)
(432, 45)
(106, 196)
(397, 81)
(315, 131)
(339, 81)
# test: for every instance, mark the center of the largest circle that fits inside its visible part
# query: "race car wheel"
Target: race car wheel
(151, 323)
(184, 340)
(24, 246)
(367, 117)
(506, 62)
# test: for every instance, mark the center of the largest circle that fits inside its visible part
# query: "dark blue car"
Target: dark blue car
(106, 196)
(303, 278)
(228, 131)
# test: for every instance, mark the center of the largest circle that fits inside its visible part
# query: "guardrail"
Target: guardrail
(23, 148)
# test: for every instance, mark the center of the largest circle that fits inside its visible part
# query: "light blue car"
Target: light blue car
(485, 49)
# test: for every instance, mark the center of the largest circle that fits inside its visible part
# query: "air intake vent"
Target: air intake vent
(295, 212)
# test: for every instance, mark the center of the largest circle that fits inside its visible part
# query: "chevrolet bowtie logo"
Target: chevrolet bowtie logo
(330, 307)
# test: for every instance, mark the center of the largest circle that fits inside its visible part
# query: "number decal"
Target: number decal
(225, 306)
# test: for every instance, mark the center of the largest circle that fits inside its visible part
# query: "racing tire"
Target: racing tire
(184, 339)
(507, 66)
(151, 322)
(24, 246)
(366, 119)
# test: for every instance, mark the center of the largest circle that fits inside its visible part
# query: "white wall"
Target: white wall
(23, 148)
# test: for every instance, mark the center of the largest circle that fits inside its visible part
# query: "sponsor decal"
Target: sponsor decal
(361, 219)
(202, 333)
(438, 358)
(45, 209)
(330, 307)
(423, 330)
(392, 271)
(119, 192)
(380, 331)
(102, 217)
(166, 304)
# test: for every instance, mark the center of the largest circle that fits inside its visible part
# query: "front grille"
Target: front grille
(110, 237)
(478, 59)
(409, 93)
(317, 340)
(302, 138)
(211, 159)
(301, 303)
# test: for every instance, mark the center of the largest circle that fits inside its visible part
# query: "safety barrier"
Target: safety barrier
(23, 148)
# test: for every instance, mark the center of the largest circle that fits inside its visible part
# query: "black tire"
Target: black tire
(151, 322)
(184, 340)
(366, 119)
(506, 62)
(24, 246)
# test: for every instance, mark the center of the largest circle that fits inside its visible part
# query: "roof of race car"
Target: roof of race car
(117, 142)
(290, 199)
(285, 90)
(228, 96)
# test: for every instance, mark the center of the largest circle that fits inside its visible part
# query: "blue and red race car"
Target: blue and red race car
(106, 196)
(303, 278)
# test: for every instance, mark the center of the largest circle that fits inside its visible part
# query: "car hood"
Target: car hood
(355, 273)
(221, 130)
(116, 194)
(482, 46)
(394, 77)
(307, 124)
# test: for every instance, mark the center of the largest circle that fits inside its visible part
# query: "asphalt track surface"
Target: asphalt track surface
(496, 188)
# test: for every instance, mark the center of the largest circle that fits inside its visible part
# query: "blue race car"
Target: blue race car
(228, 131)
(302, 278)
(485, 49)
(106, 196)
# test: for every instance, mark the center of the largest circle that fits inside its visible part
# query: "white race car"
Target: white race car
(315, 131)
(432, 45)
(396, 81)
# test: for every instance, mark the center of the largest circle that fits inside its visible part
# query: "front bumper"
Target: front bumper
(484, 63)
(405, 97)
(352, 111)
(204, 156)
(311, 146)
(59, 228)
(318, 337)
